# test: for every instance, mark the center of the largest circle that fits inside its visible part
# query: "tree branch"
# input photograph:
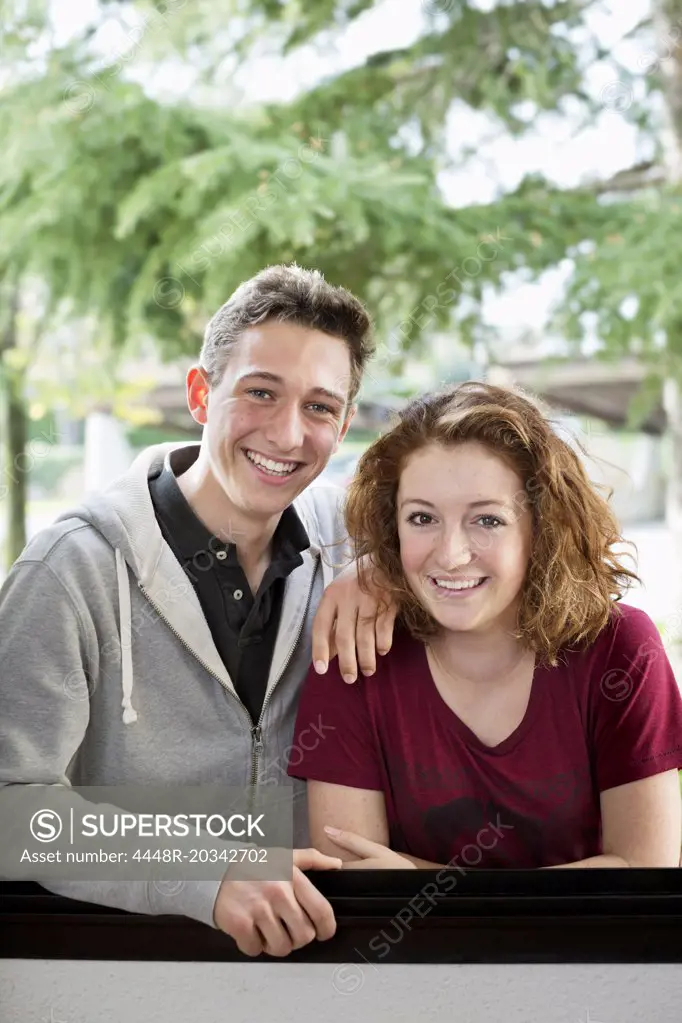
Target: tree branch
(630, 179)
(8, 336)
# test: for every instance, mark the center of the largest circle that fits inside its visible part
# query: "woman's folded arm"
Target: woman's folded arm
(362, 811)
(641, 824)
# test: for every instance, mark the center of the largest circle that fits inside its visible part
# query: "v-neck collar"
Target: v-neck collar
(462, 730)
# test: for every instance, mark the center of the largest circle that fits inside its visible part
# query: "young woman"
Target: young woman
(524, 716)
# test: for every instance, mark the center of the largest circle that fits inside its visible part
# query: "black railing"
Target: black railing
(563, 916)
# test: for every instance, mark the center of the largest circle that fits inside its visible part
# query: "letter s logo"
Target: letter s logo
(46, 825)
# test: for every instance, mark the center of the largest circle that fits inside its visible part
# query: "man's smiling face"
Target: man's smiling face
(278, 414)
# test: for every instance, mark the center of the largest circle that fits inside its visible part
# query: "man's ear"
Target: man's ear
(197, 393)
(346, 423)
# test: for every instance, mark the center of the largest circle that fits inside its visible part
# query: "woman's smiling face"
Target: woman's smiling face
(465, 529)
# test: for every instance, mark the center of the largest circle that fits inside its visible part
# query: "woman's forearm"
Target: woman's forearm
(605, 860)
(425, 864)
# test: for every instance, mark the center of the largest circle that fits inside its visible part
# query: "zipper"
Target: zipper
(257, 731)
(257, 746)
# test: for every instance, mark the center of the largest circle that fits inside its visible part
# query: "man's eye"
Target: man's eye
(257, 391)
(420, 515)
(321, 408)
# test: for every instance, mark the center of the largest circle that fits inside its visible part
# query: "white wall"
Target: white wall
(111, 992)
(107, 453)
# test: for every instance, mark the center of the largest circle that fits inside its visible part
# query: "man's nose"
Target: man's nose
(286, 428)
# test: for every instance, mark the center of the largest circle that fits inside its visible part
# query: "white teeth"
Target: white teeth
(449, 584)
(279, 468)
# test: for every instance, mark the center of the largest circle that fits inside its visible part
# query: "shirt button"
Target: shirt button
(221, 555)
(238, 594)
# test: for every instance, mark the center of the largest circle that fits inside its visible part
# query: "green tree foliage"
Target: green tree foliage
(513, 61)
(149, 212)
(143, 210)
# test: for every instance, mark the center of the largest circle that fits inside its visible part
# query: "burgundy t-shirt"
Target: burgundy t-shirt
(605, 716)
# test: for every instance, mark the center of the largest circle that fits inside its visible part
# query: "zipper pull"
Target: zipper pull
(257, 735)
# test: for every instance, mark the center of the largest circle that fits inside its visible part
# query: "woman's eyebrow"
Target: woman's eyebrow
(472, 504)
(416, 500)
(489, 500)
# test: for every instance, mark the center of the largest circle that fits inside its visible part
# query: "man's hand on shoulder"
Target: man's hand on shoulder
(353, 624)
(277, 917)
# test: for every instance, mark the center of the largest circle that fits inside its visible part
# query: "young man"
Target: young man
(159, 634)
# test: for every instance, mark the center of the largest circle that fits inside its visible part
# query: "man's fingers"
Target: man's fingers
(332, 646)
(313, 859)
(365, 642)
(346, 628)
(316, 907)
(384, 627)
(276, 938)
(323, 633)
(247, 936)
(298, 925)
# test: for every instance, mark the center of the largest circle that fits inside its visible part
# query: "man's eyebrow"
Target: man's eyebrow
(473, 504)
(262, 375)
(275, 379)
(333, 395)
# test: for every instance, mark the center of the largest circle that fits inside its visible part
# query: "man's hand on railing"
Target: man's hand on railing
(277, 917)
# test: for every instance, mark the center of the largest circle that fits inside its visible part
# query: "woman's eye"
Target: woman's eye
(490, 521)
(417, 519)
(256, 391)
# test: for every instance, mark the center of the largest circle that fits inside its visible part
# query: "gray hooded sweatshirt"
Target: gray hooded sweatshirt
(109, 674)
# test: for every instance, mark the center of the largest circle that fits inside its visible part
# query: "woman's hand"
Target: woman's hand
(352, 624)
(371, 855)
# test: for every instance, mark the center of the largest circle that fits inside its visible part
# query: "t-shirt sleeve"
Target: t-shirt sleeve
(334, 739)
(637, 705)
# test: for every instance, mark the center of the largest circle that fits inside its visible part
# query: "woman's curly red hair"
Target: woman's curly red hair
(574, 577)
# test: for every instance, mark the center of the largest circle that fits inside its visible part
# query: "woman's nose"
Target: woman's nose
(457, 549)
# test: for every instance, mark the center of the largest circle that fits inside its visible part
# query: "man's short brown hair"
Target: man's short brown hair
(289, 294)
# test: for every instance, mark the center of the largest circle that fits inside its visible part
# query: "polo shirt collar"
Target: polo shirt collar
(190, 534)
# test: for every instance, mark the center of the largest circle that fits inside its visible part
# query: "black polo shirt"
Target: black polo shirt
(244, 627)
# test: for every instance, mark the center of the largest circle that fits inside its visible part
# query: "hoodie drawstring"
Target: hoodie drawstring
(125, 626)
(327, 570)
